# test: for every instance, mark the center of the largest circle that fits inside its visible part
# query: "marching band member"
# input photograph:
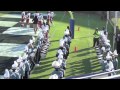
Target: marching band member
(115, 60)
(6, 74)
(28, 19)
(23, 17)
(21, 66)
(36, 14)
(14, 73)
(54, 76)
(40, 20)
(58, 70)
(51, 17)
(109, 66)
(27, 66)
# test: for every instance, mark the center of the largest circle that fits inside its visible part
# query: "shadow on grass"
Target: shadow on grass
(40, 70)
(18, 25)
(83, 37)
(10, 19)
(46, 62)
(15, 12)
(2, 29)
(43, 66)
(81, 50)
(41, 76)
(54, 49)
(87, 67)
(48, 58)
(18, 39)
(54, 41)
(84, 54)
(6, 62)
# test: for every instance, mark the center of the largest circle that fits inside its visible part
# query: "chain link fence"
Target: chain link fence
(113, 23)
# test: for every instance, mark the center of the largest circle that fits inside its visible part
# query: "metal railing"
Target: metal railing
(96, 75)
(112, 77)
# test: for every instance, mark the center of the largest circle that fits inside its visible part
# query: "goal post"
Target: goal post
(72, 23)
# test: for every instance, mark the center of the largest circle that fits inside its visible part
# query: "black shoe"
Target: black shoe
(64, 68)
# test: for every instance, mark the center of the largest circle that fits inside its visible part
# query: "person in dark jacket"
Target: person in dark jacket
(35, 23)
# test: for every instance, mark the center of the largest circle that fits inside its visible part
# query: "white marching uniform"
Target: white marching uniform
(60, 52)
(109, 66)
(15, 75)
(49, 16)
(60, 56)
(109, 53)
(62, 42)
(22, 69)
(45, 28)
(52, 14)
(40, 17)
(41, 36)
(6, 74)
(36, 14)
(28, 16)
(66, 32)
(23, 17)
(23, 14)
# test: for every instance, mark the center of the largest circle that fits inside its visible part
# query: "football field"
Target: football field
(13, 39)
(83, 61)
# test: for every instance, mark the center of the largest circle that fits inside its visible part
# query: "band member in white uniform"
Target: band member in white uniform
(22, 19)
(6, 74)
(28, 19)
(36, 14)
(51, 17)
(40, 20)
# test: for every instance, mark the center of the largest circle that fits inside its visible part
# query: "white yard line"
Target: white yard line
(11, 16)
(19, 31)
(11, 49)
(7, 23)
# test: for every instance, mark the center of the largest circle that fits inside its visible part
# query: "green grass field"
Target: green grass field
(83, 61)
